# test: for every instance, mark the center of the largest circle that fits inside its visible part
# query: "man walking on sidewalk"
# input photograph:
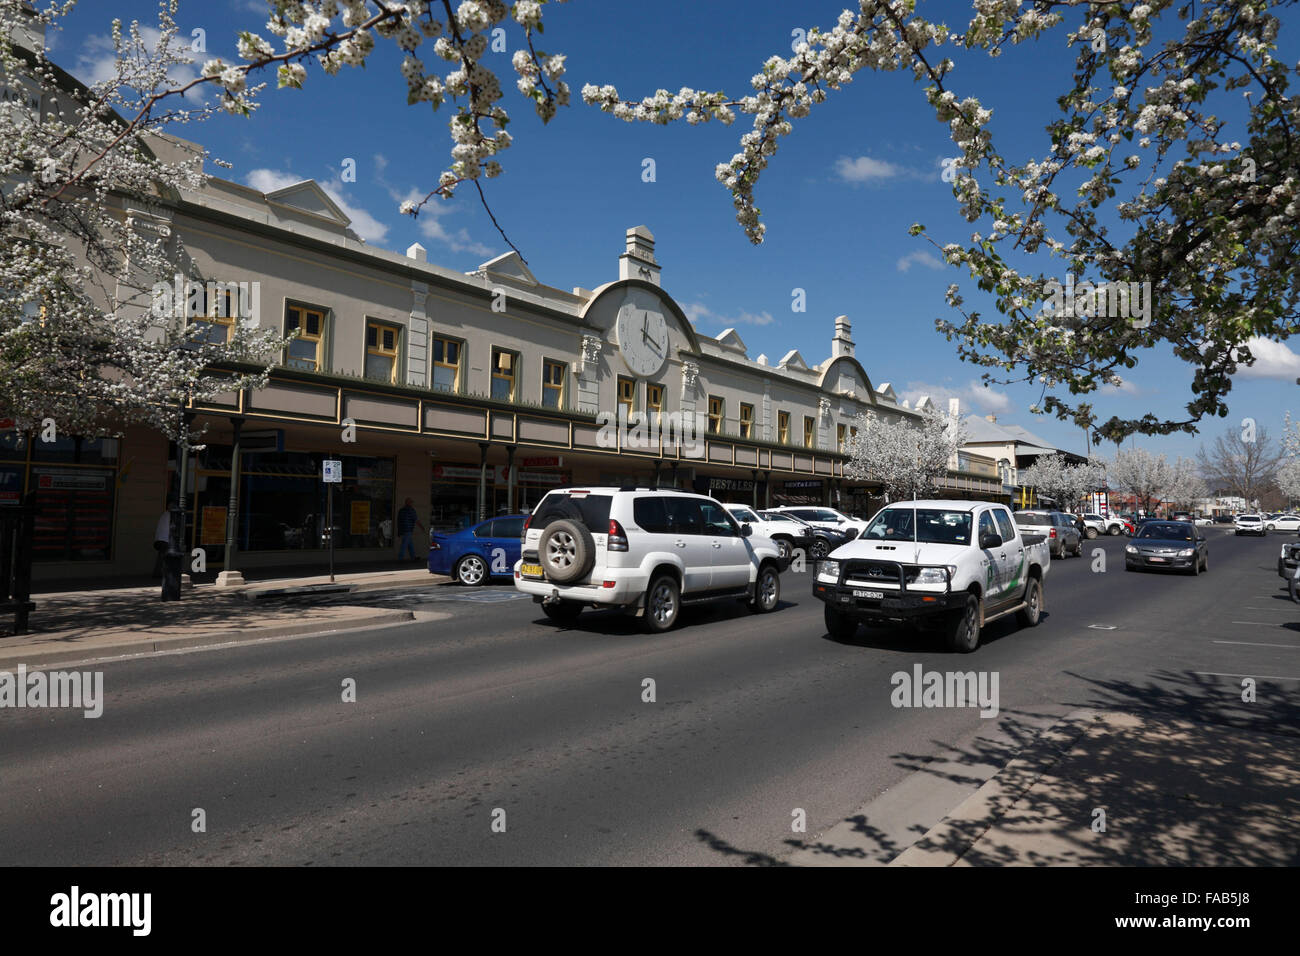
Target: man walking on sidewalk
(407, 522)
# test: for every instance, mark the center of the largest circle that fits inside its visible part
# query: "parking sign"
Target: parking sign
(333, 471)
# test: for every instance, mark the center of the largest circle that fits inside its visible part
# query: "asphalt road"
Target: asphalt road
(492, 707)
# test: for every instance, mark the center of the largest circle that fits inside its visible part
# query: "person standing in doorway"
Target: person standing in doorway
(161, 542)
(407, 522)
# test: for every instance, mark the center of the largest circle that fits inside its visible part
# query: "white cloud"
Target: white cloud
(1125, 387)
(864, 169)
(1272, 360)
(365, 225)
(974, 396)
(921, 257)
(698, 312)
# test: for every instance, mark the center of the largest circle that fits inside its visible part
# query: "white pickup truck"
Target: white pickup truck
(958, 564)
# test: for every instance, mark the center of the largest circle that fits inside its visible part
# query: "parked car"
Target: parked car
(1204, 521)
(1223, 519)
(647, 550)
(1096, 524)
(1288, 560)
(1168, 546)
(826, 518)
(1283, 522)
(787, 534)
(1249, 524)
(1063, 539)
(1181, 516)
(821, 541)
(955, 564)
(475, 554)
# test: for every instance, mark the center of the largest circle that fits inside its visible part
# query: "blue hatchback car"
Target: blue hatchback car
(478, 552)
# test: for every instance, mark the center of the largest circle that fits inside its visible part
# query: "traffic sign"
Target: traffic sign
(333, 471)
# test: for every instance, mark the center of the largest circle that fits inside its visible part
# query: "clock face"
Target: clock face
(642, 340)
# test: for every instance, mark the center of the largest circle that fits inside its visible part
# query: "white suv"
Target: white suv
(649, 550)
(1249, 524)
(820, 517)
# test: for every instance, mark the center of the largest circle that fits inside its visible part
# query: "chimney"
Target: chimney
(842, 344)
(638, 261)
(417, 252)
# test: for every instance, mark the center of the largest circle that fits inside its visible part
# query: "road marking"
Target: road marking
(1256, 676)
(1255, 644)
(1102, 627)
(1260, 623)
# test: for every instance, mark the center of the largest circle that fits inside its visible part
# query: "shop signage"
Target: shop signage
(805, 483)
(550, 461)
(71, 480)
(448, 472)
(212, 525)
(731, 484)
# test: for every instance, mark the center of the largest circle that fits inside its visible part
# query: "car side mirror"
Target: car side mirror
(746, 530)
(990, 541)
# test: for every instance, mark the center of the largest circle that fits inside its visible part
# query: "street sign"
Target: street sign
(332, 471)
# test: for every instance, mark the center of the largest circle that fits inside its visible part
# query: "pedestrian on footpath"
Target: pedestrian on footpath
(162, 537)
(407, 522)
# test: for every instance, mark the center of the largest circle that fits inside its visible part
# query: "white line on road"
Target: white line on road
(1260, 623)
(1256, 644)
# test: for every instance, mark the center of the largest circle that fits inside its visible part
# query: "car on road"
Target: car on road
(1249, 524)
(825, 518)
(957, 565)
(1288, 560)
(476, 554)
(1283, 522)
(1103, 524)
(787, 534)
(1168, 546)
(1063, 538)
(821, 541)
(1204, 521)
(646, 550)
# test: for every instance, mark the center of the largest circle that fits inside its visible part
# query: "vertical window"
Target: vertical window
(783, 427)
(216, 315)
(503, 375)
(841, 434)
(809, 429)
(654, 399)
(381, 351)
(716, 407)
(626, 395)
(553, 377)
(746, 421)
(446, 365)
(304, 352)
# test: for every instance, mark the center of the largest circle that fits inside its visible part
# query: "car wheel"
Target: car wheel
(1113, 529)
(839, 625)
(1029, 614)
(1270, 527)
(563, 612)
(964, 629)
(818, 549)
(1092, 533)
(1205, 562)
(663, 602)
(1196, 566)
(1078, 548)
(471, 570)
(767, 590)
(567, 551)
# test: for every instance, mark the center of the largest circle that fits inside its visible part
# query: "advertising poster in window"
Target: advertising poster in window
(360, 518)
(212, 526)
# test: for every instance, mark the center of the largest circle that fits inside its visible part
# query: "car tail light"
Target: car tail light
(524, 534)
(617, 537)
(1051, 533)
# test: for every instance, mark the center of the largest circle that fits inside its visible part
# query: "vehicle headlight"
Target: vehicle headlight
(1186, 552)
(1131, 549)
(829, 569)
(935, 575)
(1283, 551)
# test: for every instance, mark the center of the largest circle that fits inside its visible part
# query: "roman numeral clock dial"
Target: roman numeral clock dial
(642, 340)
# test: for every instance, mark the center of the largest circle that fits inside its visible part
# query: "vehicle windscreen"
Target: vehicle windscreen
(592, 509)
(1029, 518)
(933, 526)
(1166, 531)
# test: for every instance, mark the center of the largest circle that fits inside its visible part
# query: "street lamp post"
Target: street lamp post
(172, 561)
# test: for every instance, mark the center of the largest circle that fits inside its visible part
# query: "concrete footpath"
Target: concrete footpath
(85, 625)
(1110, 789)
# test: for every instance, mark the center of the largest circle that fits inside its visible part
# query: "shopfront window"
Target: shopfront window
(284, 502)
(75, 486)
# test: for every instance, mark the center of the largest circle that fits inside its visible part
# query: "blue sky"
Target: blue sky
(838, 197)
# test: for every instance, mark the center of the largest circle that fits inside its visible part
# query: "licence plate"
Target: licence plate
(1155, 560)
(869, 595)
(530, 570)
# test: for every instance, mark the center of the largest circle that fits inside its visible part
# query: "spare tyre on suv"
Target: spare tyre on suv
(649, 550)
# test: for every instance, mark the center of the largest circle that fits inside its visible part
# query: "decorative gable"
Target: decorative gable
(729, 339)
(509, 266)
(792, 359)
(309, 197)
